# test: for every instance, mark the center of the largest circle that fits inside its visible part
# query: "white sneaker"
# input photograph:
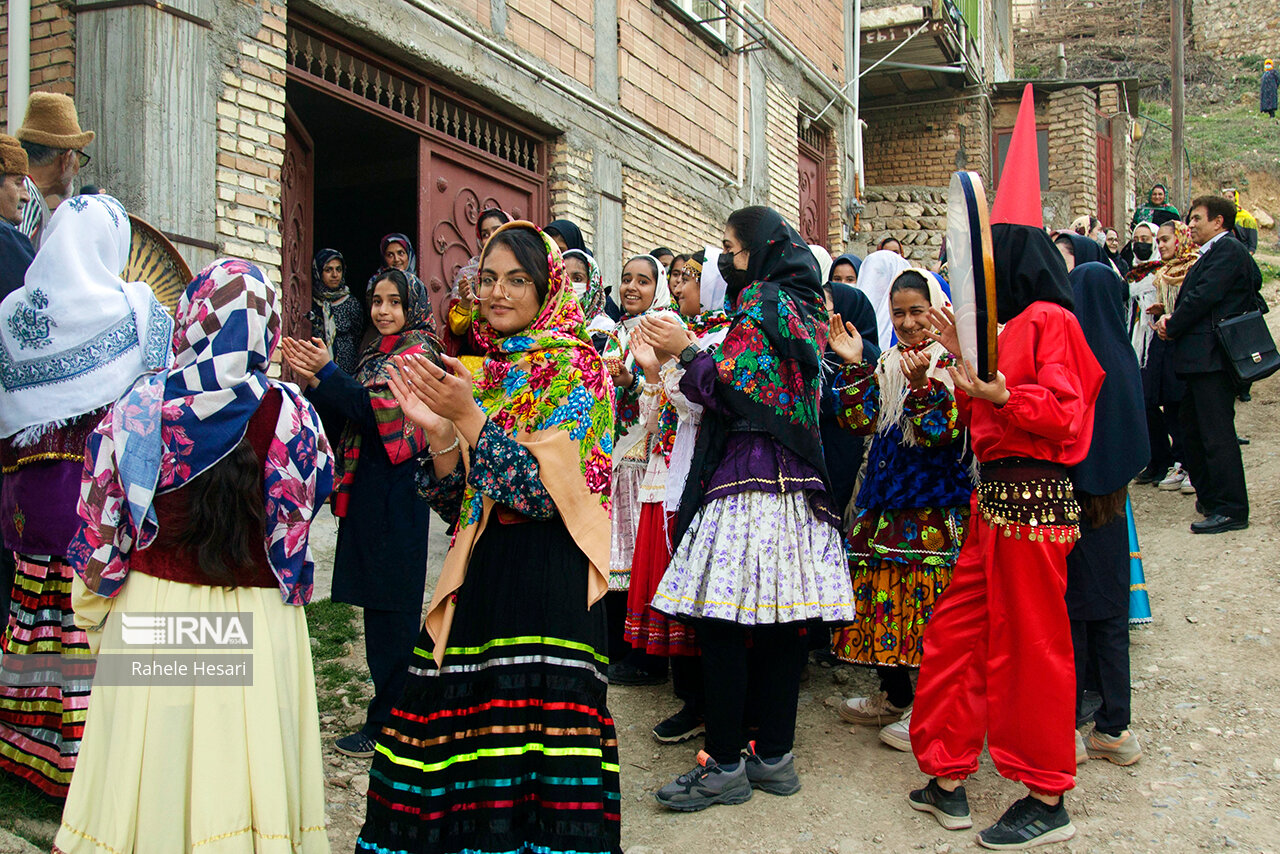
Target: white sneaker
(870, 711)
(1173, 480)
(1187, 488)
(898, 734)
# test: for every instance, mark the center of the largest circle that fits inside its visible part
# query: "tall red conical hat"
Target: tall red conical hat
(1018, 196)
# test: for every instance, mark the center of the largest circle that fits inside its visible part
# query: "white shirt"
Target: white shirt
(1205, 248)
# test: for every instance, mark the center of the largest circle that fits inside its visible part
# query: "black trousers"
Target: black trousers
(1164, 432)
(389, 637)
(1212, 454)
(688, 683)
(1102, 656)
(769, 668)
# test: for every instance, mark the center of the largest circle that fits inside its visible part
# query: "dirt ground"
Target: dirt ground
(1205, 679)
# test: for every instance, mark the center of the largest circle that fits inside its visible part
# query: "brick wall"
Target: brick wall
(250, 109)
(53, 51)
(1073, 148)
(572, 188)
(655, 215)
(671, 78)
(561, 32)
(816, 29)
(477, 10)
(922, 145)
(784, 166)
(916, 216)
(835, 196)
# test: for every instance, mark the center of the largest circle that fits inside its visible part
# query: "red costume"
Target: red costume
(998, 658)
(997, 654)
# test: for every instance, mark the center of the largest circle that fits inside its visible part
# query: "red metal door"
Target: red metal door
(297, 196)
(1105, 212)
(457, 187)
(813, 195)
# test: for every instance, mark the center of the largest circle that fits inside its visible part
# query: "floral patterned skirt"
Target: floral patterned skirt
(900, 561)
(757, 558)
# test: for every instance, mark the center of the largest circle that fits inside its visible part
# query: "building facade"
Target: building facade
(268, 129)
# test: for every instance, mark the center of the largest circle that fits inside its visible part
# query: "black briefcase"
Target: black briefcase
(1249, 345)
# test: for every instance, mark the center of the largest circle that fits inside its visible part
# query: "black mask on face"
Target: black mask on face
(736, 279)
(1142, 251)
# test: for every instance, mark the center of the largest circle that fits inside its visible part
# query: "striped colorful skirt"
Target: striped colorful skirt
(508, 745)
(41, 724)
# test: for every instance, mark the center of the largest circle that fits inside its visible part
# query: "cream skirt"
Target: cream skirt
(213, 769)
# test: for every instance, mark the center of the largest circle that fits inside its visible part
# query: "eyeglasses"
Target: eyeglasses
(84, 159)
(513, 287)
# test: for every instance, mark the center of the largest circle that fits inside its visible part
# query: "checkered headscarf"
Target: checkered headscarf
(174, 425)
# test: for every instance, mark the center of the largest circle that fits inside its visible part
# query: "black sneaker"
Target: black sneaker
(951, 809)
(706, 785)
(357, 744)
(775, 776)
(682, 726)
(1149, 476)
(1089, 705)
(1028, 823)
(623, 673)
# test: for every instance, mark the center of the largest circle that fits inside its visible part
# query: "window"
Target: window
(708, 17)
(1004, 137)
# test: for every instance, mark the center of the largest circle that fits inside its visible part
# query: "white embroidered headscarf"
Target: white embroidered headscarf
(876, 276)
(661, 303)
(893, 381)
(76, 336)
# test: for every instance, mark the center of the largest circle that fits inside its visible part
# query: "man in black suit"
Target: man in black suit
(1224, 282)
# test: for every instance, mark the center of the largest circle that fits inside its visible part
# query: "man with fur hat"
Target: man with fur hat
(52, 138)
(15, 257)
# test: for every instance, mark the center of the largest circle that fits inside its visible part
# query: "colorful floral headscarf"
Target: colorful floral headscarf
(1171, 273)
(176, 424)
(592, 299)
(547, 377)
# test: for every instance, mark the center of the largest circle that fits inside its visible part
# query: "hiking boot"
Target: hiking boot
(1082, 753)
(1028, 823)
(951, 809)
(358, 745)
(1122, 749)
(624, 673)
(706, 785)
(870, 711)
(775, 776)
(682, 726)
(1173, 480)
(898, 734)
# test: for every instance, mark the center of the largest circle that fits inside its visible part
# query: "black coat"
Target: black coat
(381, 558)
(1267, 93)
(1225, 281)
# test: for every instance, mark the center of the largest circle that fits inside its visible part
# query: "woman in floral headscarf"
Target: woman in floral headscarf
(1161, 388)
(502, 740)
(198, 492)
(381, 560)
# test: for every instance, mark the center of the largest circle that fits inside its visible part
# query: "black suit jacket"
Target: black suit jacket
(1225, 281)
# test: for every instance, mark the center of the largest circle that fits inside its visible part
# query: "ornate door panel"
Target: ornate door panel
(458, 187)
(1105, 210)
(813, 195)
(296, 190)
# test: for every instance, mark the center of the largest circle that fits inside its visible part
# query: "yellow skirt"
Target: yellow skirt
(213, 769)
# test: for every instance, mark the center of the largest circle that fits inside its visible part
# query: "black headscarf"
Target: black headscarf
(16, 255)
(571, 234)
(1028, 268)
(852, 305)
(782, 302)
(847, 258)
(1085, 249)
(1120, 448)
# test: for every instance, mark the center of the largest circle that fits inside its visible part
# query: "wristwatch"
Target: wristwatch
(688, 354)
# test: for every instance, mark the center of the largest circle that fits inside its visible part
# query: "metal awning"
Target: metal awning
(908, 49)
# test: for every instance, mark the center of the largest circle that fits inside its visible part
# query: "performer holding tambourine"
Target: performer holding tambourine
(997, 653)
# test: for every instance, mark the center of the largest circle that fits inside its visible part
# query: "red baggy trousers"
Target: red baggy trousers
(998, 662)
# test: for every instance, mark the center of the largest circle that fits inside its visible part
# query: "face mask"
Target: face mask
(736, 279)
(1142, 251)
(579, 289)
